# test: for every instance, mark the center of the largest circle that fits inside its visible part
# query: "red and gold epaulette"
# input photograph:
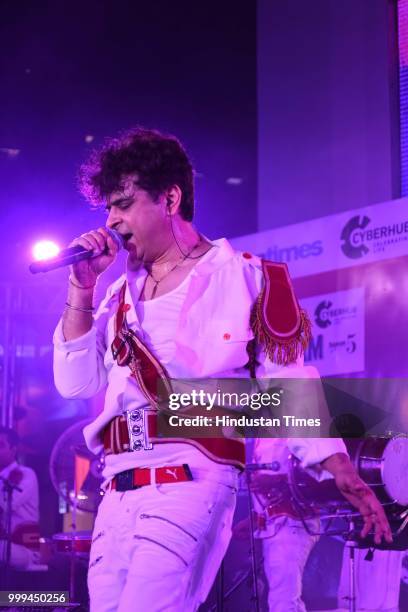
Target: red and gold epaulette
(278, 322)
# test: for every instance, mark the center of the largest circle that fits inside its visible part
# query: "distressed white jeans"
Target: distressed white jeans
(159, 547)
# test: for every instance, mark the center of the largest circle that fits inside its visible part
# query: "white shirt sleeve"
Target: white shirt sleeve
(310, 451)
(79, 369)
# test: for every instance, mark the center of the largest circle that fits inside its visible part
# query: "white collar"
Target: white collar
(213, 259)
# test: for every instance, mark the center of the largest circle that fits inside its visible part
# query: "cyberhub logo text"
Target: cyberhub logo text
(325, 313)
(357, 236)
(353, 237)
(321, 314)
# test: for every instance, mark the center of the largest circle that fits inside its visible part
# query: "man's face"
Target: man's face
(7, 452)
(143, 222)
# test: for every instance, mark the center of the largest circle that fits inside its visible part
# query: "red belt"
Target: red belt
(144, 430)
(141, 477)
(115, 435)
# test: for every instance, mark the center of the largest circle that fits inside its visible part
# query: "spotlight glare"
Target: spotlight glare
(234, 180)
(45, 249)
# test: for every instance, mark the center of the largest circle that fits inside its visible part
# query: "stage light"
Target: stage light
(234, 180)
(10, 153)
(45, 249)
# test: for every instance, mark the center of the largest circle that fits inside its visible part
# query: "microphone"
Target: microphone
(69, 256)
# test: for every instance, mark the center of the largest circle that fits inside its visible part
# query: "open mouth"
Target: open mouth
(126, 238)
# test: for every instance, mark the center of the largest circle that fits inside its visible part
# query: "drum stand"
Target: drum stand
(255, 594)
(72, 560)
(72, 555)
(351, 544)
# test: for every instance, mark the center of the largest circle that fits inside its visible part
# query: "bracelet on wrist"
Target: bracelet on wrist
(68, 305)
(79, 286)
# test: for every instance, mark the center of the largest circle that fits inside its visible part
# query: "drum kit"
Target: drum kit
(77, 543)
(380, 461)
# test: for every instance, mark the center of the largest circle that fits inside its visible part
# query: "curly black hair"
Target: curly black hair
(159, 160)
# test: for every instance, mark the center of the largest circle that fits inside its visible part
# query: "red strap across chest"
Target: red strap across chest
(129, 350)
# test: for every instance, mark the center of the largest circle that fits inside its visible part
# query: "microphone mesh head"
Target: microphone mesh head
(118, 238)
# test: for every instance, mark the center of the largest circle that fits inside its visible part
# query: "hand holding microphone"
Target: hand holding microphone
(103, 247)
(89, 255)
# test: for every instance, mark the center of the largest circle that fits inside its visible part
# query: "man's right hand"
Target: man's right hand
(360, 495)
(85, 272)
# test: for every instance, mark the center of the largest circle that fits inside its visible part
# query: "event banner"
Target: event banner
(350, 273)
(338, 241)
(338, 339)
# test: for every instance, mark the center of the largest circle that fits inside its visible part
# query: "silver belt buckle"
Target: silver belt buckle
(138, 429)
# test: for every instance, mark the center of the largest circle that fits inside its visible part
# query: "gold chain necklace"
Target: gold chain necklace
(171, 270)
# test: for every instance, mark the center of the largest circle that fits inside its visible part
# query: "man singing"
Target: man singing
(186, 307)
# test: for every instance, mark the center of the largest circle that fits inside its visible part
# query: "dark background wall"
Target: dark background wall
(326, 118)
(328, 107)
(71, 69)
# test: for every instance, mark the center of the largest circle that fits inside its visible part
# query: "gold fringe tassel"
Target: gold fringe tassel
(281, 351)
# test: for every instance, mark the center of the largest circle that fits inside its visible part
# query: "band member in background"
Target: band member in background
(25, 505)
(286, 543)
(186, 307)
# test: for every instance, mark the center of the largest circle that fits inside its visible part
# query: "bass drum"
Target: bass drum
(381, 462)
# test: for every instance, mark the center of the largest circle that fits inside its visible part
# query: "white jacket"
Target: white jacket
(211, 340)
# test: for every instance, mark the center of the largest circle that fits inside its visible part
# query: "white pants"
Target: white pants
(159, 547)
(377, 582)
(285, 554)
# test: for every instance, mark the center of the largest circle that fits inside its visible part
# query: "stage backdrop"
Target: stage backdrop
(350, 272)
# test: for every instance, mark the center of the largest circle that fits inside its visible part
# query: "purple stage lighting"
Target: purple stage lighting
(45, 249)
